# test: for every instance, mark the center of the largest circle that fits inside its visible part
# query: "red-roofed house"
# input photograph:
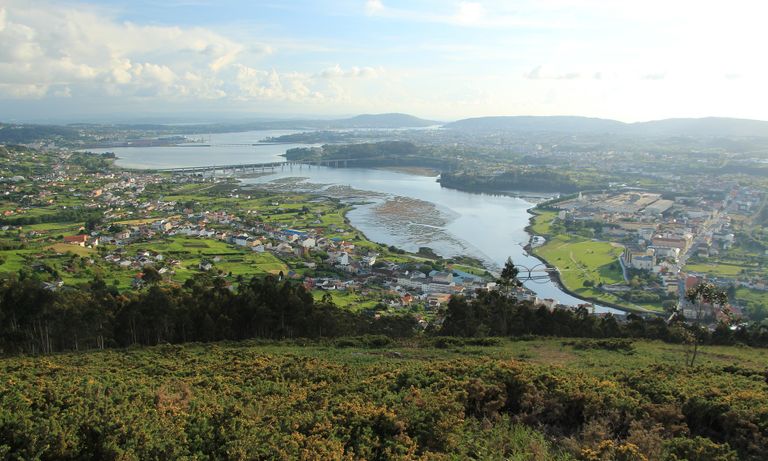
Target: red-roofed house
(76, 239)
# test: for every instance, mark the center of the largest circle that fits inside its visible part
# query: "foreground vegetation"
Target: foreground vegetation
(372, 398)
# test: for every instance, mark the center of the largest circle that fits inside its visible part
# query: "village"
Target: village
(136, 228)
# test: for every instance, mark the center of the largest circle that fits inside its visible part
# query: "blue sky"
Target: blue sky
(629, 60)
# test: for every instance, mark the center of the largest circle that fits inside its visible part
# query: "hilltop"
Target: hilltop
(393, 120)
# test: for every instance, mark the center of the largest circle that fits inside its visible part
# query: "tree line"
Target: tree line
(37, 318)
(545, 179)
(492, 313)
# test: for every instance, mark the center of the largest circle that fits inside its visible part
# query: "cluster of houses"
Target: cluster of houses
(659, 234)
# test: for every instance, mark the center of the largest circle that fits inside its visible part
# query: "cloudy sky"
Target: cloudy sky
(442, 59)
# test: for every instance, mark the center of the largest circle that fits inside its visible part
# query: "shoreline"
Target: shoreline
(412, 170)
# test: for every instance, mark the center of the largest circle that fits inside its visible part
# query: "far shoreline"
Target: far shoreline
(412, 170)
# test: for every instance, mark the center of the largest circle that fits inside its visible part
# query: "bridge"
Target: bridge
(540, 273)
(254, 167)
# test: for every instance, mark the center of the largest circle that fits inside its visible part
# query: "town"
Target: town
(665, 243)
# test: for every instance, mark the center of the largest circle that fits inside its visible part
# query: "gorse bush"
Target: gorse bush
(272, 401)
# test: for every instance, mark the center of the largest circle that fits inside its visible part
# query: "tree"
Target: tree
(151, 275)
(508, 277)
(92, 223)
(703, 297)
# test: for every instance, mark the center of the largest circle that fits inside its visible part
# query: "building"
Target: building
(79, 240)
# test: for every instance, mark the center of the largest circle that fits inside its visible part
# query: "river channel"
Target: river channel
(405, 210)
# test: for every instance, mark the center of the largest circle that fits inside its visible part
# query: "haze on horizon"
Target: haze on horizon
(443, 60)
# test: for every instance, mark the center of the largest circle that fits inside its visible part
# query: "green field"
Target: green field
(191, 251)
(347, 300)
(370, 398)
(752, 297)
(541, 222)
(579, 260)
(720, 270)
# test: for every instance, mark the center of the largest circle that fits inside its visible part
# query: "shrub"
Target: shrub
(615, 344)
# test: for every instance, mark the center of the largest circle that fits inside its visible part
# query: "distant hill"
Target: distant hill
(709, 126)
(29, 133)
(393, 120)
(697, 127)
(384, 121)
(528, 123)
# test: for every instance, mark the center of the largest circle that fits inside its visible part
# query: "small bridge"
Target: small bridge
(256, 167)
(537, 273)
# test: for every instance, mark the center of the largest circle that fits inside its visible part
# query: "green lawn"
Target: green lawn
(52, 228)
(346, 300)
(721, 270)
(542, 221)
(579, 260)
(752, 296)
(15, 259)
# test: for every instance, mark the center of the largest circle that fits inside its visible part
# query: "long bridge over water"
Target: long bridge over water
(256, 167)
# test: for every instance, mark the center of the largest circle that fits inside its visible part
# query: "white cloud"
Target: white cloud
(470, 13)
(52, 50)
(44, 45)
(373, 7)
(353, 72)
(64, 92)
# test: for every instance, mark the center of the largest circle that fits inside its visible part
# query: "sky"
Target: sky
(438, 59)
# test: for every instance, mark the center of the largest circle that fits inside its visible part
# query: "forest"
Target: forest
(540, 180)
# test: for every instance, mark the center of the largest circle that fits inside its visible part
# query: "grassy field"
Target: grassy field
(541, 222)
(228, 258)
(346, 300)
(720, 270)
(750, 296)
(74, 249)
(579, 260)
(15, 259)
(370, 398)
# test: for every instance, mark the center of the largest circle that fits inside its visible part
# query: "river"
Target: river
(405, 210)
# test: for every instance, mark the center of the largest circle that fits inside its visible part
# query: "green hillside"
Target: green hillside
(370, 398)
